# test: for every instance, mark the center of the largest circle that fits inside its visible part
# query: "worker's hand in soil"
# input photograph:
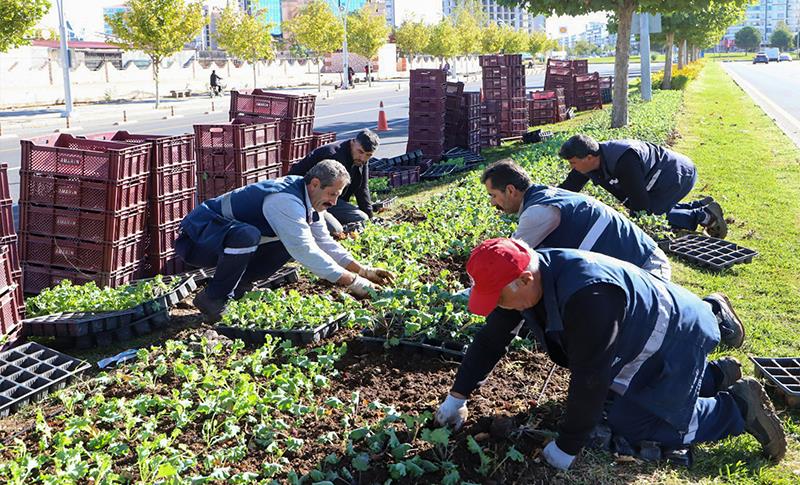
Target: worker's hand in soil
(360, 287)
(377, 275)
(453, 412)
(556, 457)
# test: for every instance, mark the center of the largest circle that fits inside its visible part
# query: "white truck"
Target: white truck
(773, 53)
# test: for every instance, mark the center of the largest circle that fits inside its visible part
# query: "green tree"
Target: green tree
(245, 36)
(584, 48)
(492, 39)
(781, 37)
(319, 30)
(159, 28)
(468, 29)
(367, 32)
(623, 10)
(748, 38)
(514, 41)
(444, 41)
(412, 37)
(539, 43)
(17, 20)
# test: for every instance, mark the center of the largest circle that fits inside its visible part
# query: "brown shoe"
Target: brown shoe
(731, 370)
(759, 416)
(731, 328)
(716, 227)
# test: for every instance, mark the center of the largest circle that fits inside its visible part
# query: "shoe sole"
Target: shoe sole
(720, 227)
(729, 379)
(735, 316)
(778, 450)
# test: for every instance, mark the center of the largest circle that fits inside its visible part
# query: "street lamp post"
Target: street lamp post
(64, 60)
(344, 8)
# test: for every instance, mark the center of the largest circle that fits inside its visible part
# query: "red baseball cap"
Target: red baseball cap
(494, 264)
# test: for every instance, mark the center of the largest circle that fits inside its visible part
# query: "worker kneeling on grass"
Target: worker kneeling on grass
(644, 177)
(556, 218)
(623, 334)
(249, 233)
(354, 154)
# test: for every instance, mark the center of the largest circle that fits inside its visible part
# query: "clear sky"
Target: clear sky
(574, 25)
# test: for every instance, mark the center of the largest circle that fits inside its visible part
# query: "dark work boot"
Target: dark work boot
(211, 309)
(716, 225)
(730, 370)
(759, 416)
(731, 328)
(242, 289)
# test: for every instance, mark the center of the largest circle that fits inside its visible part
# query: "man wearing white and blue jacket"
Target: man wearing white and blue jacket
(250, 232)
(556, 218)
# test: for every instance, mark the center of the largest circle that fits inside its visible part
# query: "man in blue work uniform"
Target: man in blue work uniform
(251, 232)
(354, 154)
(644, 177)
(623, 334)
(556, 218)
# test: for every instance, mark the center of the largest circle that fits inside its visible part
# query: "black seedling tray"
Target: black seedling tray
(438, 171)
(470, 157)
(78, 324)
(536, 136)
(430, 347)
(297, 337)
(199, 274)
(141, 326)
(31, 371)
(784, 373)
(355, 226)
(382, 164)
(715, 254)
(384, 204)
(284, 276)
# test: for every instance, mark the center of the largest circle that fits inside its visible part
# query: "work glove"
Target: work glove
(377, 275)
(360, 287)
(557, 458)
(453, 412)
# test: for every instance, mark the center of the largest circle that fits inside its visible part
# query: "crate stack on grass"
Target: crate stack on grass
(83, 209)
(504, 92)
(587, 92)
(234, 155)
(172, 194)
(294, 113)
(606, 85)
(560, 74)
(463, 120)
(426, 114)
(489, 132)
(546, 107)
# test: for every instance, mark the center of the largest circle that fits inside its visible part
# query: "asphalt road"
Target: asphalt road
(774, 88)
(345, 114)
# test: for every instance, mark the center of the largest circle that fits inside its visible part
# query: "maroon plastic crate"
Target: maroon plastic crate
(17, 276)
(165, 150)
(5, 192)
(258, 102)
(504, 93)
(6, 270)
(427, 92)
(232, 160)
(173, 207)
(426, 133)
(94, 257)
(428, 120)
(501, 105)
(430, 76)
(322, 138)
(97, 159)
(419, 105)
(580, 66)
(212, 184)
(6, 219)
(296, 149)
(168, 263)
(10, 328)
(433, 149)
(163, 237)
(503, 72)
(237, 136)
(559, 63)
(404, 176)
(83, 225)
(173, 178)
(37, 278)
(81, 193)
(500, 60)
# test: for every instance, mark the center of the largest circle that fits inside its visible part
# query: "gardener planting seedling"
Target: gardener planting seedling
(625, 335)
(251, 232)
(644, 177)
(354, 154)
(556, 218)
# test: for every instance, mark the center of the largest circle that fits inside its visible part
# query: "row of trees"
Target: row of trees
(749, 38)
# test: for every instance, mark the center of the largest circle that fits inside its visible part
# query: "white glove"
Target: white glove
(377, 275)
(557, 458)
(453, 411)
(360, 287)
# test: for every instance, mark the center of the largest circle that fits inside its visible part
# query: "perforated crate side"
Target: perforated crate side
(173, 179)
(105, 257)
(80, 193)
(322, 138)
(36, 277)
(257, 102)
(173, 207)
(212, 184)
(236, 135)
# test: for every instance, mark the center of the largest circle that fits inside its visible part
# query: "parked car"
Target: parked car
(773, 53)
(761, 57)
(784, 57)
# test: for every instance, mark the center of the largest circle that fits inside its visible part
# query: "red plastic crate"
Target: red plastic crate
(237, 136)
(420, 105)
(559, 63)
(37, 278)
(258, 102)
(432, 149)
(17, 276)
(426, 92)
(322, 138)
(426, 133)
(580, 66)
(165, 150)
(10, 327)
(500, 60)
(211, 184)
(168, 263)
(232, 160)
(83, 225)
(428, 120)
(97, 159)
(430, 76)
(6, 219)
(173, 207)
(163, 237)
(81, 193)
(5, 192)
(296, 149)
(173, 178)
(94, 257)
(6, 270)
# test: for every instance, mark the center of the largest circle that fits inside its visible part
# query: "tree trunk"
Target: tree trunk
(255, 85)
(319, 74)
(666, 83)
(681, 53)
(369, 73)
(619, 108)
(155, 78)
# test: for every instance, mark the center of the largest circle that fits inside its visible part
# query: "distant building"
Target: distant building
(515, 17)
(273, 8)
(398, 11)
(108, 12)
(765, 16)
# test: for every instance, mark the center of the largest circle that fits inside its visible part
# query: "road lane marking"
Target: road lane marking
(760, 97)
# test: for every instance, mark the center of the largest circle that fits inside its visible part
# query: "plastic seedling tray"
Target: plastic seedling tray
(469, 156)
(784, 373)
(536, 136)
(138, 327)
(169, 300)
(31, 371)
(430, 347)
(384, 204)
(78, 324)
(355, 226)
(715, 254)
(438, 171)
(199, 274)
(298, 337)
(283, 276)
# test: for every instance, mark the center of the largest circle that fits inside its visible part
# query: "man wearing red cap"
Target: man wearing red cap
(623, 334)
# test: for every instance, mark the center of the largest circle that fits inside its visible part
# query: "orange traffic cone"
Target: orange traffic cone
(382, 124)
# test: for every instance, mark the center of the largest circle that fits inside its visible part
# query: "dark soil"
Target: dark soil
(456, 265)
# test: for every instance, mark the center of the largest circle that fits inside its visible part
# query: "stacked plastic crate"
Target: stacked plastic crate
(587, 92)
(504, 92)
(545, 107)
(606, 84)
(463, 120)
(83, 206)
(322, 138)
(426, 114)
(234, 155)
(12, 302)
(489, 132)
(295, 114)
(560, 74)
